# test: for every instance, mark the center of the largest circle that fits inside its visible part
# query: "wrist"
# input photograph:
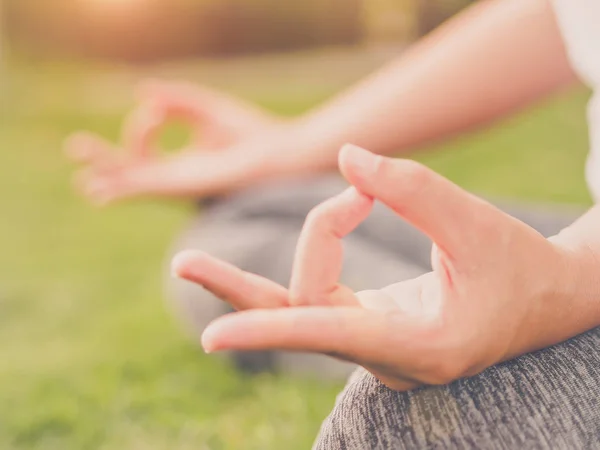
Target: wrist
(581, 267)
(293, 148)
(576, 298)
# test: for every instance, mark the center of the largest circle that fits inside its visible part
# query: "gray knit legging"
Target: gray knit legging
(546, 400)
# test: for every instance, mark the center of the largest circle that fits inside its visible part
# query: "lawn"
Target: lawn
(89, 356)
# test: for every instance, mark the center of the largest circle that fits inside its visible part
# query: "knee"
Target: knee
(362, 416)
(369, 415)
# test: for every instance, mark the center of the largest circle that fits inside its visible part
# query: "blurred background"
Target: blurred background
(89, 356)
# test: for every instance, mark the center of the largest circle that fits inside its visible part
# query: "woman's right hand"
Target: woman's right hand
(498, 288)
(231, 143)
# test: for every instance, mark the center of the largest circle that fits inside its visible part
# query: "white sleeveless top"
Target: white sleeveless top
(579, 21)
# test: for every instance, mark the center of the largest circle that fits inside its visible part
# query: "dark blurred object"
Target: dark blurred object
(141, 30)
(432, 13)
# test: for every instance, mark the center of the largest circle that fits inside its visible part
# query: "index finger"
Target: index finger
(319, 256)
(161, 101)
(181, 100)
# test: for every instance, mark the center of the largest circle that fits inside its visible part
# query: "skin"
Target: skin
(498, 289)
(227, 137)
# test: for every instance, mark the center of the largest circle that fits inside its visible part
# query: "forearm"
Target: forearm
(494, 58)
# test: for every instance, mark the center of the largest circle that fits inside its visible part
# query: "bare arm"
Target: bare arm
(491, 60)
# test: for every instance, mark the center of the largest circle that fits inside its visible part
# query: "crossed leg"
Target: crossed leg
(545, 400)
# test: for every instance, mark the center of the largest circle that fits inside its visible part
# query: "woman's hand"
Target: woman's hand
(498, 289)
(229, 139)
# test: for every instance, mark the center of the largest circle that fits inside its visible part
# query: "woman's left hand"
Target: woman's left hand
(498, 288)
(230, 139)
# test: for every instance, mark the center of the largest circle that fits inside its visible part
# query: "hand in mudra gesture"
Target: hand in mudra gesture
(228, 138)
(494, 292)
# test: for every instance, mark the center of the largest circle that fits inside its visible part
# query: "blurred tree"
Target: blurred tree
(390, 20)
(154, 29)
(3, 49)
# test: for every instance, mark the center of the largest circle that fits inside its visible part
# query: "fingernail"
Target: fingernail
(185, 259)
(176, 264)
(174, 272)
(207, 341)
(362, 161)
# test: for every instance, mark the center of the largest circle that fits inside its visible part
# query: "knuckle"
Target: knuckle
(246, 284)
(415, 175)
(409, 176)
(298, 298)
(314, 216)
(488, 217)
(318, 217)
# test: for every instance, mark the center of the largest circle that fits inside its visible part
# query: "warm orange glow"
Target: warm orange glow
(113, 4)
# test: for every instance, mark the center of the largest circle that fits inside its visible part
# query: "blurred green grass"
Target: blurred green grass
(89, 357)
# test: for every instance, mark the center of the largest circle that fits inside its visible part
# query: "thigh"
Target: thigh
(546, 400)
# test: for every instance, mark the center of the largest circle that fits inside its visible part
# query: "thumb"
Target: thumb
(160, 102)
(454, 219)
